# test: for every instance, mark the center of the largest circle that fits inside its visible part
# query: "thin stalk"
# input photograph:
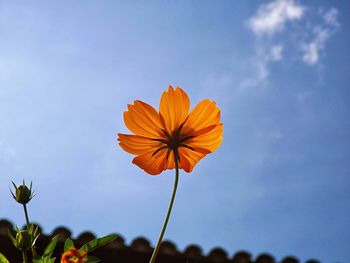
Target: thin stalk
(25, 259)
(28, 227)
(156, 249)
(26, 215)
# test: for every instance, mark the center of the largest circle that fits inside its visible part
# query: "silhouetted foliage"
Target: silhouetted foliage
(139, 251)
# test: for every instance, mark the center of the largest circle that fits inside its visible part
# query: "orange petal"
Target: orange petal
(207, 142)
(206, 115)
(138, 145)
(152, 164)
(189, 158)
(170, 163)
(173, 108)
(142, 119)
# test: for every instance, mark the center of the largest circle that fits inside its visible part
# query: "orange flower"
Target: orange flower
(173, 133)
(73, 255)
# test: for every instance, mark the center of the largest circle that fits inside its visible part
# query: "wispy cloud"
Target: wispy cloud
(320, 33)
(312, 49)
(276, 52)
(311, 35)
(269, 19)
(272, 17)
(331, 17)
(259, 64)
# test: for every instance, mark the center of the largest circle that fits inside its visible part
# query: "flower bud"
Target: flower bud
(23, 194)
(24, 240)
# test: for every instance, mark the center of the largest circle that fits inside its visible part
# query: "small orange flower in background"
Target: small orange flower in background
(73, 255)
(174, 133)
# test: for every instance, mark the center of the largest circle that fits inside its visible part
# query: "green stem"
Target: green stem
(25, 259)
(156, 249)
(28, 227)
(26, 215)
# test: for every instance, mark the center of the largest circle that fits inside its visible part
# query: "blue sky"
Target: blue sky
(279, 71)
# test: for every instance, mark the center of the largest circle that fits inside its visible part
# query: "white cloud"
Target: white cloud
(331, 17)
(276, 52)
(312, 49)
(269, 19)
(272, 17)
(258, 72)
(306, 40)
(260, 64)
(321, 34)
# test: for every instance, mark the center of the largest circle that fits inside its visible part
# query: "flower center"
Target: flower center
(173, 141)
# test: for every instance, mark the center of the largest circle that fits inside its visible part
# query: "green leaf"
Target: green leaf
(49, 260)
(68, 244)
(50, 247)
(43, 260)
(98, 242)
(12, 238)
(3, 259)
(92, 259)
